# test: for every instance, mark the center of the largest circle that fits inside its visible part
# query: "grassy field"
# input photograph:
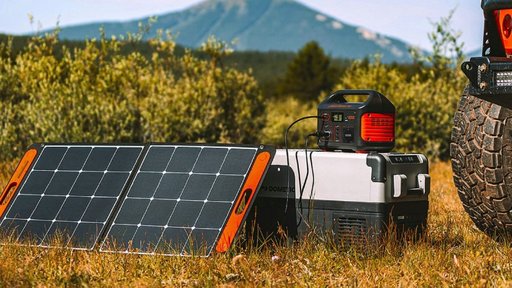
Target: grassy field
(454, 253)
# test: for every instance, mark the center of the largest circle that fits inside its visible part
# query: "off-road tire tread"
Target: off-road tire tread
(481, 156)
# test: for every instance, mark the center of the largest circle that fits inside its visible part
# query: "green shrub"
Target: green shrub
(97, 94)
(280, 114)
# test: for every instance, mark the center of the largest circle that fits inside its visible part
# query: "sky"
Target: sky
(407, 20)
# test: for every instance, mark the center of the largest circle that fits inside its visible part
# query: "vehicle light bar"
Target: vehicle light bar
(491, 78)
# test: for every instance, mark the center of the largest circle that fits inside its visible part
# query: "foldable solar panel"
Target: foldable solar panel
(187, 199)
(157, 198)
(70, 190)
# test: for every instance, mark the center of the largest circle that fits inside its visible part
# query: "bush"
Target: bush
(280, 114)
(97, 94)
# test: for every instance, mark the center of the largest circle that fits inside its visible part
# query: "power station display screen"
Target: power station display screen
(337, 117)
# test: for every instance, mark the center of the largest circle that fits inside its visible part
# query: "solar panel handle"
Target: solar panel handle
(237, 215)
(16, 179)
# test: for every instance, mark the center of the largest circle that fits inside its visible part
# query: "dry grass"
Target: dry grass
(454, 253)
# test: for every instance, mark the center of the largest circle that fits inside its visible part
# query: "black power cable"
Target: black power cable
(312, 184)
(300, 185)
(303, 185)
(288, 157)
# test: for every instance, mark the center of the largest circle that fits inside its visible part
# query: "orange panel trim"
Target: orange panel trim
(240, 208)
(20, 172)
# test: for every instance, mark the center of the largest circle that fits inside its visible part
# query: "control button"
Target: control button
(348, 135)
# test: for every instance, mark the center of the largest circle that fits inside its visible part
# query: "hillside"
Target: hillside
(260, 25)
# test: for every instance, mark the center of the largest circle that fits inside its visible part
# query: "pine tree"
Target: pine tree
(309, 74)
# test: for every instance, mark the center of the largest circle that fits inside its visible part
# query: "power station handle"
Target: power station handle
(374, 97)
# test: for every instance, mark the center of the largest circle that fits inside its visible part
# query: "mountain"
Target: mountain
(262, 25)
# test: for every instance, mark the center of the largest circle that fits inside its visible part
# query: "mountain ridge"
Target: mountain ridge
(259, 25)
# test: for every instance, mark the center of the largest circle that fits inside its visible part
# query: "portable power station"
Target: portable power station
(356, 126)
(355, 196)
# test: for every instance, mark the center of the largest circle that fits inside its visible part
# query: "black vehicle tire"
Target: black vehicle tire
(481, 154)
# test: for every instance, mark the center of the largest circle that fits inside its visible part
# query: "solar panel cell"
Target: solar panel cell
(200, 241)
(238, 161)
(143, 183)
(59, 232)
(210, 160)
(112, 184)
(220, 193)
(86, 183)
(133, 211)
(50, 158)
(98, 209)
(146, 238)
(121, 236)
(171, 186)
(158, 212)
(173, 241)
(85, 235)
(23, 208)
(157, 158)
(35, 230)
(37, 182)
(75, 158)
(61, 183)
(183, 159)
(99, 159)
(72, 209)
(48, 207)
(198, 187)
(185, 213)
(13, 227)
(124, 159)
(213, 215)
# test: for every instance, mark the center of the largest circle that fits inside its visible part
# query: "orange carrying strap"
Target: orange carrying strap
(242, 202)
(13, 185)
